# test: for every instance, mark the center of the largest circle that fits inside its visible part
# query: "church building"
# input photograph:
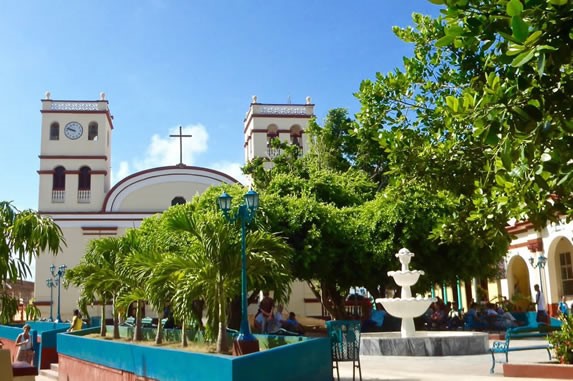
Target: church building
(75, 180)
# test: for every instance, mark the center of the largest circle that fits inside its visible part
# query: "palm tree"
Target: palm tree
(25, 235)
(98, 276)
(210, 267)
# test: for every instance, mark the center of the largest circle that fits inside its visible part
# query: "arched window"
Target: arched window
(59, 178)
(179, 200)
(55, 131)
(84, 180)
(296, 135)
(92, 131)
(272, 134)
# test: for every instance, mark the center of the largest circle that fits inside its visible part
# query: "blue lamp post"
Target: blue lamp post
(51, 284)
(541, 262)
(246, 342)
(57, 276)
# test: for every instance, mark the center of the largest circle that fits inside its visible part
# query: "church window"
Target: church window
(566, 272)
(296, 136)
(84, 180)
(59, 184)
(59, 180)
(179, 200)
(92, 131)
(272, 134)
(84, 185)
(55, 131)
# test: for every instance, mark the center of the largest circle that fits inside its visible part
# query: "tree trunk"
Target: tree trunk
(222, 342)
(103, 328)
(234, 321)
(115, 315)
(159, 335)
(184, 342)
(138, 332)
(330, 299)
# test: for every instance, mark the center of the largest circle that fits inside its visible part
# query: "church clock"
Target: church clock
(73, 130)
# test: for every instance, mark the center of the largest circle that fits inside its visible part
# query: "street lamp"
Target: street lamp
(541, 262)
(51, 284)
(246, 341)
(57, 275)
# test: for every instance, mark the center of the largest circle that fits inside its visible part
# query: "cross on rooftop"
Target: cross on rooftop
(180, 136)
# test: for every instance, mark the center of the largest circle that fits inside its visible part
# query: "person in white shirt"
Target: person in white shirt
(25, 345)
(540, 302)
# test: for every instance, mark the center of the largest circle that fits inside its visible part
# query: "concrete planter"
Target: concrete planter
(83, 358)
(539, 370)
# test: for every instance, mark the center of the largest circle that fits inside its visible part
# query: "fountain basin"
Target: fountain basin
(405, 278)
(405, 308)
(424, 343)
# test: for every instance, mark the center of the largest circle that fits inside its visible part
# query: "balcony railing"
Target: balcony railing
(58, 195)
(84, 196)
(273, 152)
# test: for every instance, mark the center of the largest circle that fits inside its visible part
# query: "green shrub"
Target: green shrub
(562, 340)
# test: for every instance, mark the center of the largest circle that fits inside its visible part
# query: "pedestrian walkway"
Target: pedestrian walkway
(467, 368)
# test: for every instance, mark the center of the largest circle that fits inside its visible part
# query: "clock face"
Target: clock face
(73, 130)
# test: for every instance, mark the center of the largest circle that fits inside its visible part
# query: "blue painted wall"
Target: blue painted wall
(306, 360)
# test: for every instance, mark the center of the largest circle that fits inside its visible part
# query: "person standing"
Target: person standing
(540, 302)
(266, 308)
(25, 345)
(563, 307)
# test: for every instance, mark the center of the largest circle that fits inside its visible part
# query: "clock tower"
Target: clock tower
(75, 155)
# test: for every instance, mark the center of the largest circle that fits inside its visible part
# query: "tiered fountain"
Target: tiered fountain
(408, 342)
(406, 307)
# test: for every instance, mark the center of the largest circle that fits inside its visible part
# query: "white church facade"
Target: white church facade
(75, 181)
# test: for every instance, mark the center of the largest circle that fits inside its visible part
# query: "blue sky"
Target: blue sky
(192, 63)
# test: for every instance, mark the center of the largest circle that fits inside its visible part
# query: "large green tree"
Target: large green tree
(482, 108)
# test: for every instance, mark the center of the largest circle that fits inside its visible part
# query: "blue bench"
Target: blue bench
(520, 333)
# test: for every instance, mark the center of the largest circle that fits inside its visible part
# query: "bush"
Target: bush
(562, 340)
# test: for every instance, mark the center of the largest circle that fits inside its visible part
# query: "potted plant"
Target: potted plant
(562, 340)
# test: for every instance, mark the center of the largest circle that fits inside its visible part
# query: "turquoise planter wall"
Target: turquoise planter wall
(306, 360)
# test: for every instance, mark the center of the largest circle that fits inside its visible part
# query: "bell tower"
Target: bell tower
(75, 155)
(265, 122)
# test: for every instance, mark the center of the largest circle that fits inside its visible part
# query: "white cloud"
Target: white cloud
(164, 151)
(233, 170)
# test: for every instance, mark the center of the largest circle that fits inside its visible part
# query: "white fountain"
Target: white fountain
(408, 342)
(406, 307)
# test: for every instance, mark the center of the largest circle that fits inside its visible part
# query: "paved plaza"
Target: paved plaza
(464, 368)
(470, 368)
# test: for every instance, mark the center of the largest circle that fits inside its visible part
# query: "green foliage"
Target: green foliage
(562, 340)
(481, 115)
(25, 235)
(32, 311)
(512, 93)
(9, 308)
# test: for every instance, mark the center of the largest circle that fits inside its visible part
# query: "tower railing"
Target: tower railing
(84, 196)
(58, 195)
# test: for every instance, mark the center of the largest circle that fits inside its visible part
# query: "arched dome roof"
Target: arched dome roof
(152, 190)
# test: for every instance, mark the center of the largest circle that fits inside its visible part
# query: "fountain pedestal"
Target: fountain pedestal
(408, 342)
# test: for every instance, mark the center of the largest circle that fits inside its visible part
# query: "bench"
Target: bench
(520, 333)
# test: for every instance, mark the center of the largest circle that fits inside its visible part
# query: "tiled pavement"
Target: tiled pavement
(471, 368)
